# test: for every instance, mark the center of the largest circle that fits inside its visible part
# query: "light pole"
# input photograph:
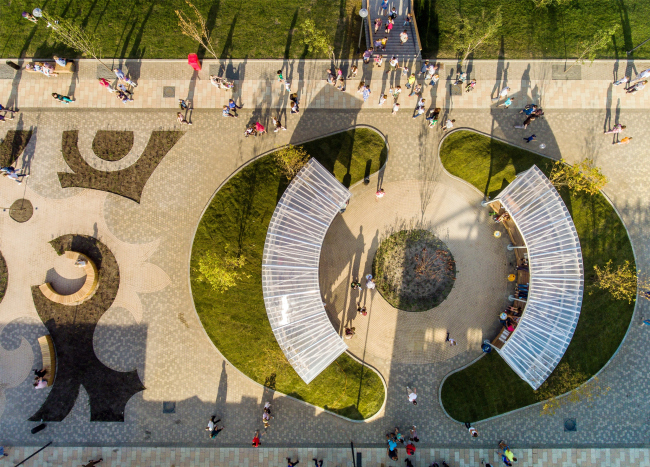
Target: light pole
(363, 13)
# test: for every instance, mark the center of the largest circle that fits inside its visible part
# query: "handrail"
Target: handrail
(417, 33)
(370, 26)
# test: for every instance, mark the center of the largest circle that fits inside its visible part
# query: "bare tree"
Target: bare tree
(596, 44)
(75, 37)
(196, 28)
(468, 34)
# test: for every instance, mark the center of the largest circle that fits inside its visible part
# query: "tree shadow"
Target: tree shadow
(427, 19)
(136, 52)
(287, 47)
(227, 46)
(209, 25)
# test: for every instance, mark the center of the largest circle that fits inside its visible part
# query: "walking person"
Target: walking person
(184, 104)
(213, 428)
(233, 106)
(225, 112)
(470, 86)
(472, 431)
(256, 439)
(377, 25)
(291, 463)
(507, 103)
(11, 173)
(278, 124)
(367, 55)
(280, 77)
(413, 434)
(403, 37)
(410, 81)
(408, 19)
(449, 124)
(353, 72)
(183, 121)
(637, 87)
(419, 110)
(625, 140)
(383, 99)
(618, 128)
(502, 95)
(383, 8)
(366, 93)
(121, 76)
(259, 129)
(395, 108)
(412, 395)
(623, 80)
(644, 74)
(61, 98)
(318, 463)
(3, 117)
(370, 282)
(393, 63)
(451, 341)
(389, 25)
(530, 138)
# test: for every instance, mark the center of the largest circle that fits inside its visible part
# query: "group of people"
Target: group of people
(122, 88)
(394, 437)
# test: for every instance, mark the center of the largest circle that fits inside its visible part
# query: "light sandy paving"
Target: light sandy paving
(154, 328)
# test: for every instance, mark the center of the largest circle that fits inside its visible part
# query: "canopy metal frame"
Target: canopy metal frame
(556, 284)
(290, 263)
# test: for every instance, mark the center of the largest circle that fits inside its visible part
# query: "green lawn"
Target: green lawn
(489, 387)
(237, 220)
(530, 32)
(149, 28)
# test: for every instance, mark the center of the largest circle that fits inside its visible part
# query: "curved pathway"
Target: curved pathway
(175, 360)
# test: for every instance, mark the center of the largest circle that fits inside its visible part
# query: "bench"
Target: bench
(68, 68)
(49, 358)
(84, 293)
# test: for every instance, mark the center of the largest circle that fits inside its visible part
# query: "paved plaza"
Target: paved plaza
(153, 327)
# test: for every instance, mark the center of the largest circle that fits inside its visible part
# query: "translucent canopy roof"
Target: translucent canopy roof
(290, 270)
(556, 277)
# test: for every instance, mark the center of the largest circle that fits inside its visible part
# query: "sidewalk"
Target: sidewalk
(370, 457)
(257, 86)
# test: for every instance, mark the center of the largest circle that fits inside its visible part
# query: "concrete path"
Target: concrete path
(155, 328)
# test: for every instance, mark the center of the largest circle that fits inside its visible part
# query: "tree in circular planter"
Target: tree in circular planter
(414, 270)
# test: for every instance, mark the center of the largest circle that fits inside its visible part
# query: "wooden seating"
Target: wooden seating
(68, 68)
(84, 293)
(501, 339)
(49, 358)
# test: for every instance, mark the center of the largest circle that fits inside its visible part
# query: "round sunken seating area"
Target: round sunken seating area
(86, 291)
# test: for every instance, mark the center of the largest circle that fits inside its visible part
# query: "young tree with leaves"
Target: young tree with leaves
(583, 176)
(75, 37)
(316, 39)
(196, 28)
(291, 159)
(622, 283)
(221, 273)
(468, 34)
(597, 43)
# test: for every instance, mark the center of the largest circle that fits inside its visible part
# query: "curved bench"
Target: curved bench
(290, 270)
(556, 284)
(49, 358)
(84, 293)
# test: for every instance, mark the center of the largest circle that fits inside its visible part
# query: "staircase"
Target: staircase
(412, 48)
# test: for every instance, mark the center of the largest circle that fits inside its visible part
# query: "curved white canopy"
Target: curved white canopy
(556, 277)
(290, 270)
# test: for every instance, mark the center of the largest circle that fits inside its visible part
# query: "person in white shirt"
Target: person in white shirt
(449, 124)
(412, 395)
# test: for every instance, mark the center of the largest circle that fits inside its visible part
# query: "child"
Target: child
(353, 72)
(280, 77)
(382, 99)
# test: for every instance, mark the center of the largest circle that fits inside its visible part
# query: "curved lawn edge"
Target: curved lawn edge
(632, 317)
(381, 409)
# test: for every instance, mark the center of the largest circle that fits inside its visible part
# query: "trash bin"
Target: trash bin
(193, 61)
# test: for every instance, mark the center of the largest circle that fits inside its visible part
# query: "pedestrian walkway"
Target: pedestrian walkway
(154, 328)
(332, 457)
(542, 82)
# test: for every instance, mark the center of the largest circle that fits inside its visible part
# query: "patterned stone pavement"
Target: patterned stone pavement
(341, 457)
(154, 327)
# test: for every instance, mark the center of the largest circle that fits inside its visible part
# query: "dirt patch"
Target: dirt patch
(128, 182)
(4, 277)
(13, 145)
(72, 329)
(21, 210)
(414, 270)
(112, 145)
